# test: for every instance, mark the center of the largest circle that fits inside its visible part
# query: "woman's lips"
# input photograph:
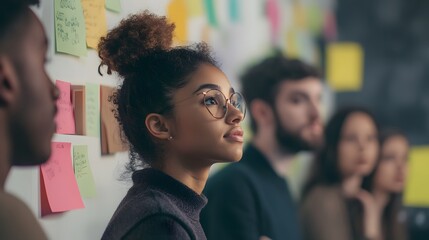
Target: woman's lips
(235, 135)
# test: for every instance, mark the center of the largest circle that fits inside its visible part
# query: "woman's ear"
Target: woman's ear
(158, 126)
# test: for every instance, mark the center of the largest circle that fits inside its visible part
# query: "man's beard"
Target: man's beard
(291, 142)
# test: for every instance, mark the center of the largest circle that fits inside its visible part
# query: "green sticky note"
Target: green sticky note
(195, 8)
(82, 171)
(113, 5)
(315, 19)
(92, 109)
(70, 35)
(233, 10)
(210, 11)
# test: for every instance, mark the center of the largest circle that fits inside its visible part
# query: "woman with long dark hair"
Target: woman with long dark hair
(386, 184)
(329, 204)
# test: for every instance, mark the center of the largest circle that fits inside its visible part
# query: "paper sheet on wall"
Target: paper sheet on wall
(59, 190)
(78, 102)
(92, 108)
(195, 8)
(83, 172)
(210, 12)
(299, 16)
(330, 26)
(291, 42)
(417, 191)
(113, 5)
(234, 10)
(273, 14)
(177, 12)
(64, 118)
(315, 19)
(70, 35)
(95, 21)
(344, 66)
(110, 132)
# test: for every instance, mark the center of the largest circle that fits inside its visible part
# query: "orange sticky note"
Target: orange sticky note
(299, 17)
(59, 190)
(95, 21)
(64, 119)
(177, 12)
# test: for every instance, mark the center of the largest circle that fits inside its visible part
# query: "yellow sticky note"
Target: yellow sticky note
(344, 63)
(95, 21)
(195, 8)
(291, 44)
(417, 190)
(177, 12)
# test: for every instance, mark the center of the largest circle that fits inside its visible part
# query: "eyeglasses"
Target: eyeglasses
(217, 104)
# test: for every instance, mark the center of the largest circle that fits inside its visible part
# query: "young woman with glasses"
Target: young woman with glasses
(180, 115)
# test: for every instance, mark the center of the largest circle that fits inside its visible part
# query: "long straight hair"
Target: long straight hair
(391, 226)
(325, 169)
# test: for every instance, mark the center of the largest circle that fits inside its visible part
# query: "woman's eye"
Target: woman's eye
(210, 101)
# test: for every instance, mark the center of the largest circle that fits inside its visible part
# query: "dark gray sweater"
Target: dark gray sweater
(157, 207)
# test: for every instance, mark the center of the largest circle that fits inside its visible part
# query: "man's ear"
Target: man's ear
(158, 126)
(8, 82)
(262, 112)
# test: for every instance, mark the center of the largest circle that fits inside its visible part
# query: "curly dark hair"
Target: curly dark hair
(140, 50)
(261, 80)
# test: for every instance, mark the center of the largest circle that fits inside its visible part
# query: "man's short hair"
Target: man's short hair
(261, 80)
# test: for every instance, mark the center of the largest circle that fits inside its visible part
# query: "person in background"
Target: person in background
(180, 115)
(385, 185)
(330, 209)
(27, 110)
(251, 199)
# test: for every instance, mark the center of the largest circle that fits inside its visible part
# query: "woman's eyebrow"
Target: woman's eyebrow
(209, 86)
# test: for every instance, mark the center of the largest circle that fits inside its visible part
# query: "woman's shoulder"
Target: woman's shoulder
(163, 226)
(135, 208)
(324, 195)
(325, 191)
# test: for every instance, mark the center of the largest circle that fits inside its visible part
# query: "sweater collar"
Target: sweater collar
(186, 199)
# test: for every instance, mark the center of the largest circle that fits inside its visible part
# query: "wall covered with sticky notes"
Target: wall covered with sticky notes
(76, 192)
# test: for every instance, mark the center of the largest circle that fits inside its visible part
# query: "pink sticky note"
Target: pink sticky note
(64, 119)
(330, 26)
(273, 17)
(59, 189)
